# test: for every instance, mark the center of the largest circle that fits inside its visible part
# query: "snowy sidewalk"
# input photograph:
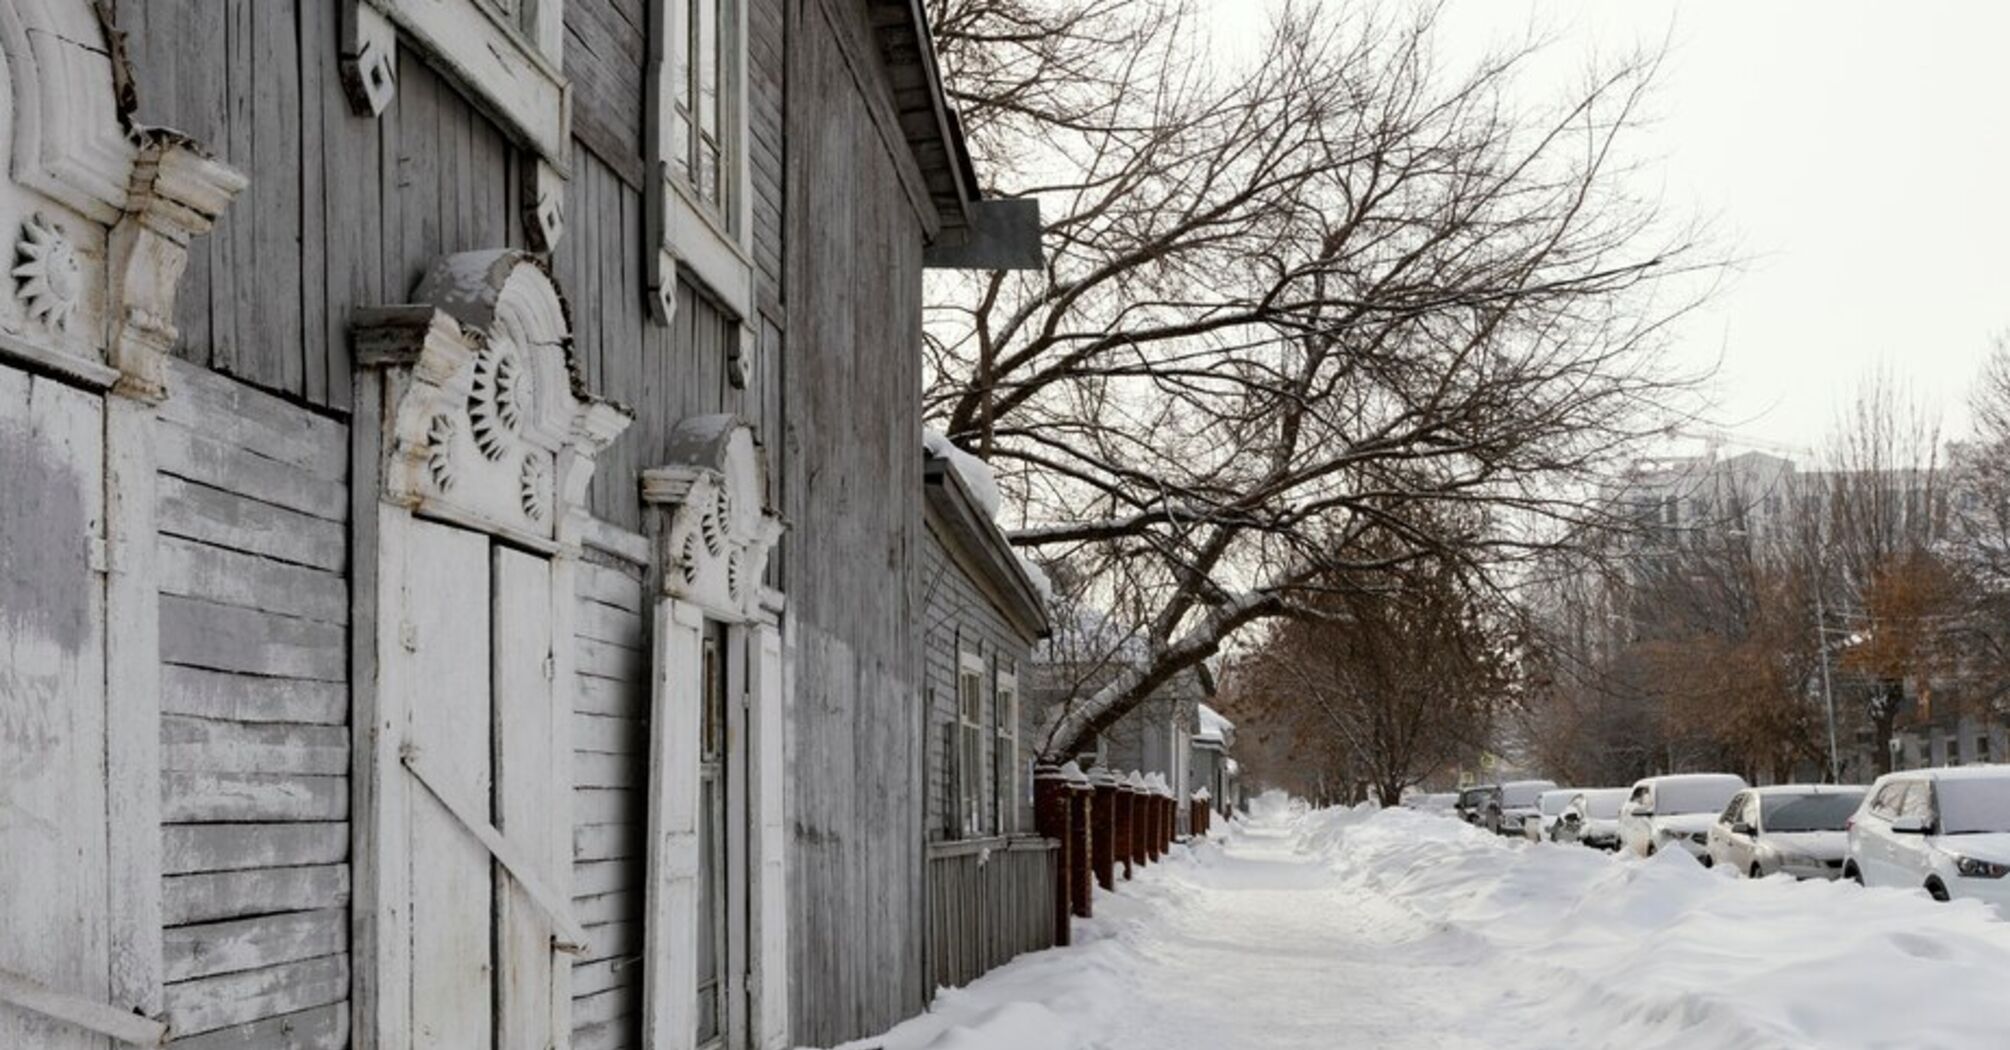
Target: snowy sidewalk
(1396, 930)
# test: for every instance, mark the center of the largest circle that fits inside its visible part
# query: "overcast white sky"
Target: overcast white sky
(1857, 153)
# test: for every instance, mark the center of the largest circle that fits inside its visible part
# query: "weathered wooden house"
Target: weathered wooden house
(990, 877)
(1211, 770)
(1156, 736)
(466, 597)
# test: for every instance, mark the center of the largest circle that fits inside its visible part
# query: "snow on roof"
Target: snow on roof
(973, 472)
(1213, 726)
(1975, 772)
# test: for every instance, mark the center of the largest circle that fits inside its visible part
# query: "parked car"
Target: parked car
(1550, 807)
(1675, 810)
(1433, 802)
(1518, 799)
(1592, 818)
(1946, 831)
(1799, 829)
(1480, 806)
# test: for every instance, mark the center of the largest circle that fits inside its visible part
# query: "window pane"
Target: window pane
(708, 68)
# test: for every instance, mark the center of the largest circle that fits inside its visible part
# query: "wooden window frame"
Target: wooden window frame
(511, 65)
(706, 245)
(1005, 749)
(970, 779)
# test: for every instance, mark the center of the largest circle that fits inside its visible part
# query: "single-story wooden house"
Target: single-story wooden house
(990, 878)
(460, 567)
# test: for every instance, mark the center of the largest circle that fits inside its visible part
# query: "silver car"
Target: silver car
(1798, 829)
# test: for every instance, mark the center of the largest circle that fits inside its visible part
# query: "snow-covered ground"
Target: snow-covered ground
(1399, 929)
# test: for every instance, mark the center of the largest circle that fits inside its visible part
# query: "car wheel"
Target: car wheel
(1708, 860)
(1937, 890)
(1650, 849)
(1756, 873)
(1853, 873)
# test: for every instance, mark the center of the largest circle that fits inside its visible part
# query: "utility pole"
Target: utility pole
(1828, 694)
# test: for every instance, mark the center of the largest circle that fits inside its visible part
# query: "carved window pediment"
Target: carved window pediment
(485, 420)
(95, 214)
(715, 531)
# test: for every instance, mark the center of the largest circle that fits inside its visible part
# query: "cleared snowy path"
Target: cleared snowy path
(1399, 930)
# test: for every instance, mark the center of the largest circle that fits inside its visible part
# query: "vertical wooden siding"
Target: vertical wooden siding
(254, 607)
(854, 506)
(610, 761)
(956, 615)
(988, 901)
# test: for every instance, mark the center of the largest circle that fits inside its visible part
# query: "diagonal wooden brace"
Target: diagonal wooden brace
(570, 938)
(88, 1014)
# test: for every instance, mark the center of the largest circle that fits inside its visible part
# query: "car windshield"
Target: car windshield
(1554, 802)
(1604, 805)
(1974, 807)
(1828, 811)
(1694, 796)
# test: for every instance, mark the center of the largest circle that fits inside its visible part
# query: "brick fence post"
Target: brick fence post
(1050, 817)
(1081, 879)
(1103, 826)
(1126, 804)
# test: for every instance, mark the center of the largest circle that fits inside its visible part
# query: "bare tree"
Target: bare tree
(1288, 305)
(1403, 672)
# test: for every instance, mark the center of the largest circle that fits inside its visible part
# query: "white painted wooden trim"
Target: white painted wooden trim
(514, 859)
(670, 945)
(132, 706)
(769, 977)
(716, 255)
(516, 78)
(84, 1013)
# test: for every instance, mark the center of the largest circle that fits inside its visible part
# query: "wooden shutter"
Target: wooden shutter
(530, 781)
(770, 977)
(670, 944)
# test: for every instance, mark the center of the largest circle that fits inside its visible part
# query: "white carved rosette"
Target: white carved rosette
(715, 532)
(485, 420)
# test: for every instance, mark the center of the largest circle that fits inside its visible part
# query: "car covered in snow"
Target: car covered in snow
(1518, 798)
(1946, 831)
(1549, 808)
(1592, 818)
(1480, 806)
(1798, 829)
(1675, 810)
(1432, 801)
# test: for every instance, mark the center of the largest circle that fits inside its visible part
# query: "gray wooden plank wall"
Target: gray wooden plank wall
(254, 606)
(858, 904)
(956, 615)
(610, 761)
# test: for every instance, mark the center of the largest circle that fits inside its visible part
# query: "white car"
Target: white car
(1518, 803)
(1593, 818)
(1550, 807)
(1946, 831)
(1675, 810)
(1798, 829)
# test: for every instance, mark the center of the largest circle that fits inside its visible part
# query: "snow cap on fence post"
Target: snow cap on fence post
(1080, 842)
(1051, 811)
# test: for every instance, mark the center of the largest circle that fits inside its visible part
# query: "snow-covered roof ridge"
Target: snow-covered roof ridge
(975, 474)
(1213, 726)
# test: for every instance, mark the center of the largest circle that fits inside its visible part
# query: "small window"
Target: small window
(1885, 803)
(702, 89)
(1641, 795)
(971, 782)
(1982, 748)
(1734, 811)
(1917, 801)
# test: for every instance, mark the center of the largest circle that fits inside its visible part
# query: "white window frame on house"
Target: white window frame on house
(1005, 706)
(970, 779)
(704, 242)
(508, 55)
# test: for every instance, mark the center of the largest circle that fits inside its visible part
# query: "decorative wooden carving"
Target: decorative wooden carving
(716, 532)
(486, 421)
(99, 213)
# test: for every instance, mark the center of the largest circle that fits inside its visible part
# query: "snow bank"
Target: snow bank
(1664, 952)
(1395, 928)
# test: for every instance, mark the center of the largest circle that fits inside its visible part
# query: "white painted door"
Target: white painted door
(481, 746)
(54, 869)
